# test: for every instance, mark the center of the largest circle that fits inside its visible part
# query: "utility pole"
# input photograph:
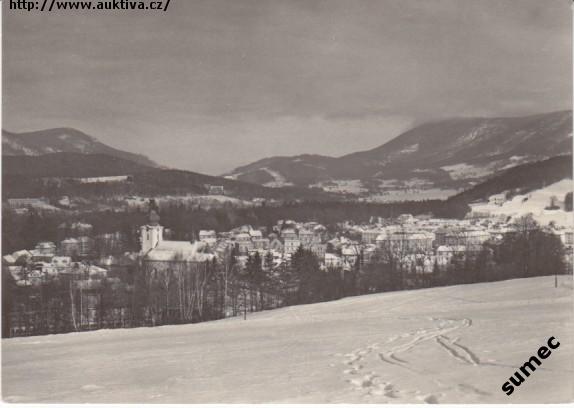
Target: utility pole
(244, 305)
(81, 308)
(225, 290)
(73, 307)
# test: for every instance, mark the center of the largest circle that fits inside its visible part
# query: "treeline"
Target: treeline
(142, 294)
(158, 293)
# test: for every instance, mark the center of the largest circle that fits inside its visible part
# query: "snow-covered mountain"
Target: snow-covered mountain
(446, 155)
(456, 344)
(62, 140)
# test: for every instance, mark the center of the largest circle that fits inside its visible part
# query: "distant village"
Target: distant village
(85, 264)
(420, 242)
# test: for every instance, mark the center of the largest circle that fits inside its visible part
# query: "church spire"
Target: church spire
(153, 218)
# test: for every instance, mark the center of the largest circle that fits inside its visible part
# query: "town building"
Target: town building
(289, 234)
(25, 202)
(208, 236)
(497, 199)
(307, 238)
(319, 250)
(291, 246)
(406, 241)
(445, 253)
(260, 243)
(473, 239)
(243, 243)
(405, 219)
(255, 233)
(276, 245)
(46, 248)
(350, 254)
(110, 243)
(440, 236)
(369, 236)
(69, 247)
(215, 190)
(86, 246)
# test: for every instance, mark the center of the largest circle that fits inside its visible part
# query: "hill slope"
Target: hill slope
(520, 179)
(455, 344)
(25, 176)
(62, 140)
(447, 154)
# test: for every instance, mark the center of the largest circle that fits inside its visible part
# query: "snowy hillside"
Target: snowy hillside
(536, 203)
(454, 344)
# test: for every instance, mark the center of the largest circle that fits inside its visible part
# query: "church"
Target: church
(155, 249)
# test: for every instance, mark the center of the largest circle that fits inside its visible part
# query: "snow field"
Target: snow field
(455, 344)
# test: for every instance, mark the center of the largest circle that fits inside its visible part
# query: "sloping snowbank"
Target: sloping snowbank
(454, 344)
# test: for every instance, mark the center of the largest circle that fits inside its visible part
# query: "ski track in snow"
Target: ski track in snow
(458, 351)
(370, 381)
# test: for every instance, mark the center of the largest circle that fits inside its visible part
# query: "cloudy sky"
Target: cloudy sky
(213, 84)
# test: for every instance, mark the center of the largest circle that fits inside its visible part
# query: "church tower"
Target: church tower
(151, 234)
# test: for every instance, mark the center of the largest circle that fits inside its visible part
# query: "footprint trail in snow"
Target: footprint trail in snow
(364, 374)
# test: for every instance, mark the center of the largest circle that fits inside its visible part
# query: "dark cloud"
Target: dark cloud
(213, 84)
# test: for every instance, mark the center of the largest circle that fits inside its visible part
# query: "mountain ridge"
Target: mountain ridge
(444, 154)
(62, 140)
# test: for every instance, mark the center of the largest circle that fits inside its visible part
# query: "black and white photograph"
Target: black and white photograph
(287, 202)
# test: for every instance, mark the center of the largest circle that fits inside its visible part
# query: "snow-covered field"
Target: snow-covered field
(341, 186)
(107, 179)
(205, 201)
(411, 194)
(463, 171)
(278, 179)
(454, 344)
